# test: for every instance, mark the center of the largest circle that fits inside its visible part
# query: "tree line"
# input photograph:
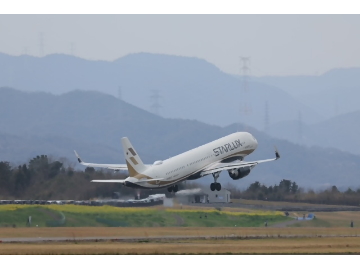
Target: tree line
(45, 179)
(288, 190)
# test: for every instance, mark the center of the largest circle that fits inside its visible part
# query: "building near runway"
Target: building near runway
(203, 195)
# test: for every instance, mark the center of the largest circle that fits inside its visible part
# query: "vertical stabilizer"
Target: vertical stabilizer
(134, 163)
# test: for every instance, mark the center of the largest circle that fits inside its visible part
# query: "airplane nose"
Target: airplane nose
(255, 141)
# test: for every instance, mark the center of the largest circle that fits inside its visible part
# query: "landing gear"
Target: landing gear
(218, 186)
(215, 185)
(173, 188)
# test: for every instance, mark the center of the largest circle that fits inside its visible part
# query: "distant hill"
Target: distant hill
(93, 123)
(338, 78)
(189, 88)
(340, 132)
(334, 92)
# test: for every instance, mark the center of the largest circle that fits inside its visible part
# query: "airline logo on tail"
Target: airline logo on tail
(132, 152)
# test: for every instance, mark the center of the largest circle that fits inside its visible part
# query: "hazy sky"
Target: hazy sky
(277, 44)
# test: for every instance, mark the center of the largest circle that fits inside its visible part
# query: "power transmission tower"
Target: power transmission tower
(245, 71)
(72, 48)
(120, 93)
(245, 107)
(336, 108)
(155, 106)
(300, 128)
(25, 50)
(41, 44)
(266, 127)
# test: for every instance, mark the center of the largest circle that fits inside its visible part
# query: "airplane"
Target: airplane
(224, 154)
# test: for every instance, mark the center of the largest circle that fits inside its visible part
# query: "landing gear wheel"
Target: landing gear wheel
(212, 186)
(175, 188)
(218, 186)
(170, 189)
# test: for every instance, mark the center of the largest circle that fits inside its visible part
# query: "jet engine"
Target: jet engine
(236, 174)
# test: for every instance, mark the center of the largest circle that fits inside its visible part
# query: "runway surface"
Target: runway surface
(154, 239)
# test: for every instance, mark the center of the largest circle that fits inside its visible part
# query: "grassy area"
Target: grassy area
(332, 219)
(284, 204)
(335, 245)
(108, 216)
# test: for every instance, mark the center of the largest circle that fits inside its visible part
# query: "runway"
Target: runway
(164, 238)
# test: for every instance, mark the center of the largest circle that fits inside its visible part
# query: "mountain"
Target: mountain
(340, 132)
(334, 92)
(178, 87)
(93, 123)
(338, 78)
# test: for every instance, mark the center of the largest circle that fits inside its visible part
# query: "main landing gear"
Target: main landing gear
(215, 185)
(174, 188)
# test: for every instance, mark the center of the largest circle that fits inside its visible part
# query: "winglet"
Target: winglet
(78, 157)
(277, 155)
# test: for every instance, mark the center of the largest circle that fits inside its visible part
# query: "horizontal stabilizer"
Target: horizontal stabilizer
(124, 180)
(116, 167)
(109, 181)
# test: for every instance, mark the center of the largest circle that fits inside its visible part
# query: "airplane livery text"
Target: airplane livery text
(227, 147)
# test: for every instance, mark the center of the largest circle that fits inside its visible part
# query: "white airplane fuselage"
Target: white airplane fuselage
(189, 165)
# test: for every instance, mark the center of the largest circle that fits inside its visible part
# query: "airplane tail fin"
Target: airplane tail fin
(134, 163)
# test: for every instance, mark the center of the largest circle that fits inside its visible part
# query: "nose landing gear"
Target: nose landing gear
(215, 185)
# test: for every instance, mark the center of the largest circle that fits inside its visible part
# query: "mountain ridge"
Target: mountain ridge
(93, 123)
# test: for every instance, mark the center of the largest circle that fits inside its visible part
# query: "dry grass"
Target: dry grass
(349, 245)
(283, 204)
(166, 231)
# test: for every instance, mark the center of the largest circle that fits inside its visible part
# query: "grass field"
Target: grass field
(76, 232)
(285, 204)
(332, 219)
(261, 246)
(108, 216)
(328, 233)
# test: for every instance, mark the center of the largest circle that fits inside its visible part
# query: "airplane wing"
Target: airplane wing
(219, 166)
(109, 181)
(105, 166)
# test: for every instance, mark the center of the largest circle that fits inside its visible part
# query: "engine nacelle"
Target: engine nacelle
(239, 173)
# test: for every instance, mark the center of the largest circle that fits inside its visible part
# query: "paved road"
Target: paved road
(157, 238)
